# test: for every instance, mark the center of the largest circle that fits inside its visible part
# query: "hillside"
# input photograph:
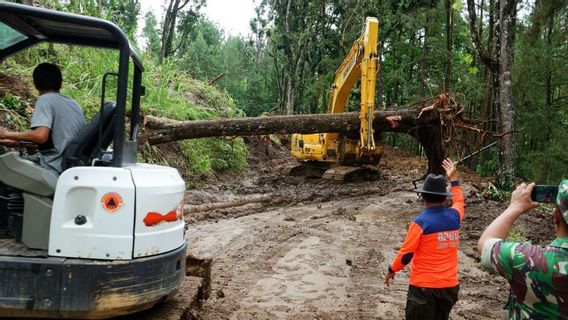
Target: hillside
(168, 94)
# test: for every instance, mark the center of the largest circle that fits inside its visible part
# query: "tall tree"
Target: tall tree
(174, 11)
(449, 44)
(507, 153)
(150, 32)
(541, 91)
(501, 75)
(125, 14)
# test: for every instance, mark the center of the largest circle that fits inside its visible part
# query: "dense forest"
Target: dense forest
(505, 60)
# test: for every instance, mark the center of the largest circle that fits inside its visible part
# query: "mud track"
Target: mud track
(312, 249)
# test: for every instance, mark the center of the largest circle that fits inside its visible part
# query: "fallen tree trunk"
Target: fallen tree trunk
(432, 122)
(188, 209)
(426, 128)
(166, 130)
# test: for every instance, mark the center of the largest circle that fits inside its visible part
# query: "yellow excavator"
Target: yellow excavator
(339, 156)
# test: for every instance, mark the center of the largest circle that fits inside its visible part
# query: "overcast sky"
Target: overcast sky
(232, 15)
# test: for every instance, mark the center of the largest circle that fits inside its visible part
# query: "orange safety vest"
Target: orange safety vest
(431, 245)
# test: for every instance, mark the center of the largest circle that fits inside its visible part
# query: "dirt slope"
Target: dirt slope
(318, 250)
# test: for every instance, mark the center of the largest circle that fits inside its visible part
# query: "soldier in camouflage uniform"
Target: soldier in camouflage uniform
(538, 275)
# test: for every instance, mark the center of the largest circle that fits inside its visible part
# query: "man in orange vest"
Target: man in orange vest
(431, 249)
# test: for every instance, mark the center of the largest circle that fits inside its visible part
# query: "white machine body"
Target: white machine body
(117, 213)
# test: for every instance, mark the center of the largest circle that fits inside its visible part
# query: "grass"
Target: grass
(495, 194)
(517, 236)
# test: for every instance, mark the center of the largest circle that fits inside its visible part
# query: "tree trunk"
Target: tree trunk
(424, 90)
(548, 76)
(427, 128)
(507, 148)
(167, 130)
(290, 94)
(449, 44)
(169, 27)
(380, 77)
(166, 28)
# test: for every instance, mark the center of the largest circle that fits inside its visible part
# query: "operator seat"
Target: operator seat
(29, 177)
(86, 146)
(25, 175)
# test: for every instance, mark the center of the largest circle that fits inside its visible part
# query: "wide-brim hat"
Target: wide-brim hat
(434, 184)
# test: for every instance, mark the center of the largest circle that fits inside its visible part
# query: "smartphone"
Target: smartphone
(544, 193)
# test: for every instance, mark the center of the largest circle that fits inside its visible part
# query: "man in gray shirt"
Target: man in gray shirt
(57, 119)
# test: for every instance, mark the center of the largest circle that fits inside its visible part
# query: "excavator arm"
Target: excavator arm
(361, 62)
(339, 156)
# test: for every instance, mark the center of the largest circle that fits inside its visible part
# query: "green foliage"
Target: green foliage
(150, 32)
(180, 97)
(486, 168)
(541, 108)
(169, 94)
(241, 72)
(457, 6)
(15, 111)
(517, 236)
(125, 14)
(495, 194)
(304, 44)
(211, 154)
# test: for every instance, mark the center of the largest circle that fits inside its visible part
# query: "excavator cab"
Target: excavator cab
(105, 237)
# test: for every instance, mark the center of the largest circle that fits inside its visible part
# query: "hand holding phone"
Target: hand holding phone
(544, 193)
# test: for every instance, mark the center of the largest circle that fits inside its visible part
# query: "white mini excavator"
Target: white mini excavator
(106, 236)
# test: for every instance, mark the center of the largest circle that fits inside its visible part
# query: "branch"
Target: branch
(219, 76)
(487, 59)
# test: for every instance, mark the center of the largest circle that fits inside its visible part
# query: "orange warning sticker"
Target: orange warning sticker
(111, 202)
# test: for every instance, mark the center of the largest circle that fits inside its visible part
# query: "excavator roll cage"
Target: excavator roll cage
(24, 26)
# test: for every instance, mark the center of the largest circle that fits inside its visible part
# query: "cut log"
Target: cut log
(190, 209)
(425, 129)
(167, 130)
(432, 122)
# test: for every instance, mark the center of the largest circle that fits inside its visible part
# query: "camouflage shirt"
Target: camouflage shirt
(538, 276)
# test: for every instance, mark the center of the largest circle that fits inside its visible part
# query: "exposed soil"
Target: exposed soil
(14, 84)
(20, 89)
(313, 249)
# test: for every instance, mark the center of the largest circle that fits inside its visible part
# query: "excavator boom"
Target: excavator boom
(334, 148)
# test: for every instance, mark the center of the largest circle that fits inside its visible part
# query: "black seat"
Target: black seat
(86, 145)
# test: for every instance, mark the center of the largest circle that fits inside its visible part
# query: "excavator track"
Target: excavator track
(352, 174)
(336, 172)
(187, 300)
(309, 170)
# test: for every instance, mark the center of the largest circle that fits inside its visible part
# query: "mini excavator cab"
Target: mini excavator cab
(339, 156)
(106, 236)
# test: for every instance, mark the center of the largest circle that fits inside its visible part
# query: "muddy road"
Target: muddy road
(290, 248)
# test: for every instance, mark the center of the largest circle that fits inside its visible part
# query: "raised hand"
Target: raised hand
(521, 198)
(450, 168)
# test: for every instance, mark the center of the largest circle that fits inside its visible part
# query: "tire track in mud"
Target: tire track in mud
(322, 261)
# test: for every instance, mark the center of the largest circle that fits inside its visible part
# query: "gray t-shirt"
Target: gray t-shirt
(65, 118)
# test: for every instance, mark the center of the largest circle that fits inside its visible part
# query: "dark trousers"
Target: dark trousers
(430, 303)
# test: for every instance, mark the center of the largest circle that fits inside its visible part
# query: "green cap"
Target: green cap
(562, 199)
